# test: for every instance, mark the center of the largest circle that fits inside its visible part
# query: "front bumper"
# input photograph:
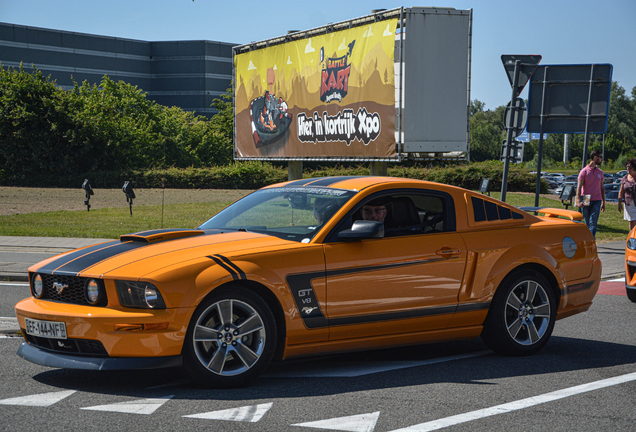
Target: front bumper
(69, 361)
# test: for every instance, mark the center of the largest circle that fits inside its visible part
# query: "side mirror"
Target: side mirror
(362, 229)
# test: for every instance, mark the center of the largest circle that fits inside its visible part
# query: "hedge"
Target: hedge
(254, 175)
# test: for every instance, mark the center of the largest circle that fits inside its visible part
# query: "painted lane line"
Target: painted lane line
(250, 414)
(357, 369)
(140, 406)
(518, 405)
(355, 423)
(616, 280)
(38, 400)
(9, 318)
(25, 284)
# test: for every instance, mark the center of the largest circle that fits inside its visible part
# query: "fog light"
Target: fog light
(38, 286)
(93, 293)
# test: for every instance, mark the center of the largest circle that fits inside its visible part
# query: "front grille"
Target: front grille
(73, 291)
(69, 346)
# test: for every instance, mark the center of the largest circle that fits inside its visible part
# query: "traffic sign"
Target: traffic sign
(527, 65)
(516, 151)
(516, 117)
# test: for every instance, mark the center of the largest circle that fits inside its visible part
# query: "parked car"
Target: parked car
(564, 184)
(558, 177)
(308, 267)
(611, 187)
(621, 174)
(611, 196)
(608, 178)
(572, 177)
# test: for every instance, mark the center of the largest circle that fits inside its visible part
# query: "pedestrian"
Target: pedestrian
(627, 193)
(591, 183)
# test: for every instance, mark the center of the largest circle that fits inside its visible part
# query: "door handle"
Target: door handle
(448, 252)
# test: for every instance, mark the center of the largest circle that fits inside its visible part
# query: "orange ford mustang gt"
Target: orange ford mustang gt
(309, 267)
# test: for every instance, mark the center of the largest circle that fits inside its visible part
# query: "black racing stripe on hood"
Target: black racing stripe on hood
(80, 260)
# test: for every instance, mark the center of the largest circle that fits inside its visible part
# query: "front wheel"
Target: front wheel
(231, 338)
(631, 294)
(522, 315)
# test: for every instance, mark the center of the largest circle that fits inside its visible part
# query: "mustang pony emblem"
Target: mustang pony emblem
(308, 310)
(58, 287)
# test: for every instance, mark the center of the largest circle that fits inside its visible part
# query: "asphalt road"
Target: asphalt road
(584, 380)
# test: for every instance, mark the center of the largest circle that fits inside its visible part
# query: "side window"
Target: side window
(404, 212)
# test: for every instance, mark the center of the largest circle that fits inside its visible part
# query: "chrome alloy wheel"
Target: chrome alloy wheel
(229, 337)
(527, 312)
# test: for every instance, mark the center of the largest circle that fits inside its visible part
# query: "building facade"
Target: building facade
(186, 74)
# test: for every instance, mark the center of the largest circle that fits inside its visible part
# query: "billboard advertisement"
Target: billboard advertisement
(329, 95)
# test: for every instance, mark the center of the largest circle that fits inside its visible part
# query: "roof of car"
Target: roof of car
(355, 183)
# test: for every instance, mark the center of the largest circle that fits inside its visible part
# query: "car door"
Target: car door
(406, 282)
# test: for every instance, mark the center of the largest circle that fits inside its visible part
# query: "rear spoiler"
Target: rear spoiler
(554, 213)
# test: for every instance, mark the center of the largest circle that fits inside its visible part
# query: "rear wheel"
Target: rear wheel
(231, 338)
(521, 316)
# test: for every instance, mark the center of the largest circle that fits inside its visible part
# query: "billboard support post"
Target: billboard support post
(294, 170)
(540, 158)
(587, 118)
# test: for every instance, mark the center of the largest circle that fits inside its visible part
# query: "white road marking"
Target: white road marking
(364, 368)
(356, 423)
(23, 284)
(518, 405)
(616, 280)
(39, 400)
(9, 318)
(141, 406)
(252, 413)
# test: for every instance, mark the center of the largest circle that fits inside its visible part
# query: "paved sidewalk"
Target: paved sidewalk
(18, 253)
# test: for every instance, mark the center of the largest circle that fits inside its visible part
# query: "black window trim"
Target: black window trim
(449, 209)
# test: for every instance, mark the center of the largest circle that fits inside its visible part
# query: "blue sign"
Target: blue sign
(525, 137)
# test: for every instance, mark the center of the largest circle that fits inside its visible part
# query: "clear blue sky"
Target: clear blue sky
(563, 32)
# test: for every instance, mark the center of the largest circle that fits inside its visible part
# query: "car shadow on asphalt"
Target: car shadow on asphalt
(475, 365)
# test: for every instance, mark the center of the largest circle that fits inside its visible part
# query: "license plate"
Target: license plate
(45, 329)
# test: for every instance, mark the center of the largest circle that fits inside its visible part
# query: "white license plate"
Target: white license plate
(46, 329)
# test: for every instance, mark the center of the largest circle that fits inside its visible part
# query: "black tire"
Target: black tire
(631, 294)
(521, 316)
(231, 338)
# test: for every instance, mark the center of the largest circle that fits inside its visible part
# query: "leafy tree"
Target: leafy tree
(486, 132)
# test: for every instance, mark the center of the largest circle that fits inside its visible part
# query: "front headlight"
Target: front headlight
(139, 295)
(38, 286)
(631, 243)
(93, 292)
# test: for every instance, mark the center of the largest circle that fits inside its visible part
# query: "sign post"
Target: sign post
(519, 69)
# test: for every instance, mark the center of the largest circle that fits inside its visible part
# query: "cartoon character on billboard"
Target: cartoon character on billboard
(269, 117)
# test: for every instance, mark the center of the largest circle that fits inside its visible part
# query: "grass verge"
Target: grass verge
(113, 222)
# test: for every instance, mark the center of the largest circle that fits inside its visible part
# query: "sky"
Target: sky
(561, 31)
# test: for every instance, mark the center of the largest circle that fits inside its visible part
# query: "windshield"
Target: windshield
(291, 213)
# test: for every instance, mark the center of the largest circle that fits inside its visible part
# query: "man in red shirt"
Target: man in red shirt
(591, 183)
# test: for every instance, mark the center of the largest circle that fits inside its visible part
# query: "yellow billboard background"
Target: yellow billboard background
(291, 75)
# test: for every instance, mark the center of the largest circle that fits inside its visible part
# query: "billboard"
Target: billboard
(328, 95)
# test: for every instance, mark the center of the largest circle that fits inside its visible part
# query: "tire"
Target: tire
(231, 338)
(631, 294)
(522, 315)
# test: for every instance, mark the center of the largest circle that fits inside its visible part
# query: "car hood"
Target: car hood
(139, 254)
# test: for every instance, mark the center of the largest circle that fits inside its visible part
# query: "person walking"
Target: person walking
(627, 194)
(591, 183)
